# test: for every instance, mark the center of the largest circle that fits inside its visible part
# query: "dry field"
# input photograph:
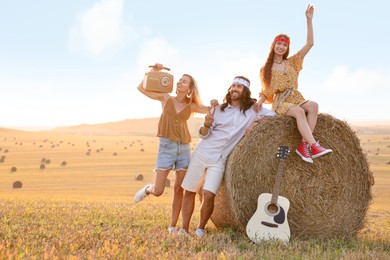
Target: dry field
(85, 208)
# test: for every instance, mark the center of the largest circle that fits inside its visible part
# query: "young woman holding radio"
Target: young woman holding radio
(174, 148)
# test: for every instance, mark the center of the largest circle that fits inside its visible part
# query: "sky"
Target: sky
(65, 63)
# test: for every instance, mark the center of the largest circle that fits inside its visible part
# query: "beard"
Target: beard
(234, 95)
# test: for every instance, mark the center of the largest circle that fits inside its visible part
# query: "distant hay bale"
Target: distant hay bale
(17, 185)
(139, 177)
(64, 163)
(47, 161)
(115, 154)
(43, 160)
(142, 150)
(1, 160)
(167, 183)
(42, 166)
(329, 198)
(6, 151)
(13, 169)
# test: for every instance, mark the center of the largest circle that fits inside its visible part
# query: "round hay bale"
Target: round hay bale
(167, 183)
(139, 177)
(17, 185)
(13, 169)
(63, 163)
(328, 199)
(47, 161)
(42, 166)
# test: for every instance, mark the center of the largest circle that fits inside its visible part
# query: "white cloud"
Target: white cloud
(359, 95)
(158, 50)
(343, 81)
(100, 30)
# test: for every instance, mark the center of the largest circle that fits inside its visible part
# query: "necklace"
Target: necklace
(278, 62)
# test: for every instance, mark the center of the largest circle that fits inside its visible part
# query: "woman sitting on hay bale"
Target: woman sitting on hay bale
(279, 79)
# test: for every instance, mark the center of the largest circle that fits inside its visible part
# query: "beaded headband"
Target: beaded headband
(282, 39)
(242, 82)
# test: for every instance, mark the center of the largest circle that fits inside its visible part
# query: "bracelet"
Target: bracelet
(204, 124)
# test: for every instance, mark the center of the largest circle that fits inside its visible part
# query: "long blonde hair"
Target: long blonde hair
(194, 94)
(266, 70)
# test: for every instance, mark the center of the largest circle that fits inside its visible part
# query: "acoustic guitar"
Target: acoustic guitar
(270, 219)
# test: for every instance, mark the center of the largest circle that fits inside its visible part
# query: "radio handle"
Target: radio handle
(165, 68)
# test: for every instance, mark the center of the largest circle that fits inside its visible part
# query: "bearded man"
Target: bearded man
(223, 128)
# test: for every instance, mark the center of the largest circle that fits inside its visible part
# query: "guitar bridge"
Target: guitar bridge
(269, 224)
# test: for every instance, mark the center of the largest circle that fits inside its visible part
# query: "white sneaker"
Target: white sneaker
(200, 232)
(172, 230)
(182, 232)
(141, 194)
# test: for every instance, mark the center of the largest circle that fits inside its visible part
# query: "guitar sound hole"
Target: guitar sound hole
(272, 208)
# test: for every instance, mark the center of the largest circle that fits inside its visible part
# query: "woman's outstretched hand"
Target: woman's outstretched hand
(309, 12)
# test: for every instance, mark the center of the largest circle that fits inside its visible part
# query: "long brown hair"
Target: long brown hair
(266, 70)
(246, 101)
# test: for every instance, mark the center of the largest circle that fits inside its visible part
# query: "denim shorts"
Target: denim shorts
(172, 155)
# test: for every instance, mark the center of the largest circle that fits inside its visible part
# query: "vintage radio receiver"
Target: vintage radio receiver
(158, 81)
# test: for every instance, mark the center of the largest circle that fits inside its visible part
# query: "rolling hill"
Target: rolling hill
(140, 127)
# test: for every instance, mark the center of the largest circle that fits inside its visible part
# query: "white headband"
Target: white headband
(242, 82)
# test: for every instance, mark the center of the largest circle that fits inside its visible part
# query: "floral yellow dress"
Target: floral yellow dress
(283, 91)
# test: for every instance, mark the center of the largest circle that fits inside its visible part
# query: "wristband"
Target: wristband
(204, 124)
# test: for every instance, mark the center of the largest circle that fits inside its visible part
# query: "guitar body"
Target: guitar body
(270, 220)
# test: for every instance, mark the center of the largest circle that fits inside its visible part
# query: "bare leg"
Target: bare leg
(158, 187)
(177, 197)
(188, 208)
(304, 129)
(311, 109)
(206, 208)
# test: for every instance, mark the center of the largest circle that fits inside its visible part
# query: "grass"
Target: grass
(85, 209)
(111, 229)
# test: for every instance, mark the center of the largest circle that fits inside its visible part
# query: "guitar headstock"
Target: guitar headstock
(283, 152)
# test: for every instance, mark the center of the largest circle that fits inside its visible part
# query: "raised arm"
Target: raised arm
(310, 37)
(151, 94)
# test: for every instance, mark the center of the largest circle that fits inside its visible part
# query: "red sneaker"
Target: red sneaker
(303, 151)
(317, 150)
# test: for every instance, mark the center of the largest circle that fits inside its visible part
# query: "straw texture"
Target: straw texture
(329, 198)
